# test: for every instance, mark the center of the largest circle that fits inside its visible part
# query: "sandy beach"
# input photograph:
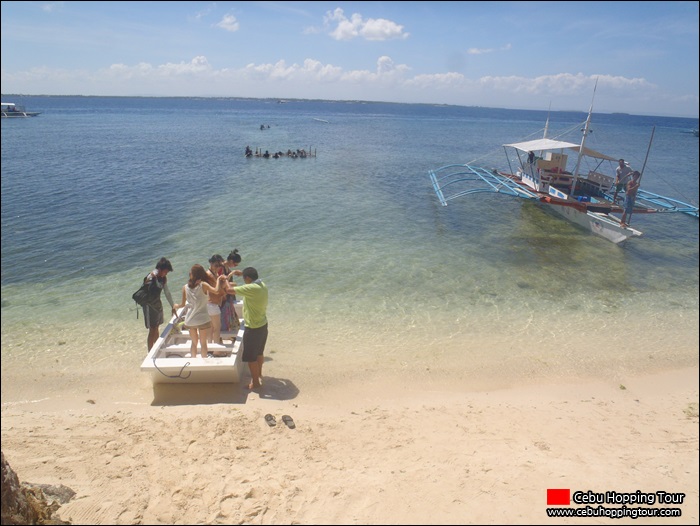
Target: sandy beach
(387, 452)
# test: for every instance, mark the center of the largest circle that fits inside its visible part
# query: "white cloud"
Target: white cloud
(564, 84)
(438, 81)
(312, 78)
(311, 70)
(196, 66)
(477, 51)
(51, 6)
(204, 12)
(229, 23)
(370, 29)
(481, 51)
(386, 73)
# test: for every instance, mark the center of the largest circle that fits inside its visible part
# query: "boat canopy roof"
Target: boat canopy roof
(552, 144)
(542, 144)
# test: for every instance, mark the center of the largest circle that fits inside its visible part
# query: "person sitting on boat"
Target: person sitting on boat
(248, 151)
(630, 197)
(622, 176)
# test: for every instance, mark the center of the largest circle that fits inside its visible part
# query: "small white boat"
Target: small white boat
(12, 110)
(170, 361)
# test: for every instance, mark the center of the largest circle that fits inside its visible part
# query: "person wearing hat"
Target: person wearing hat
(622, 175)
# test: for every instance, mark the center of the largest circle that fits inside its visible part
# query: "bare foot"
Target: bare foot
(252, 386)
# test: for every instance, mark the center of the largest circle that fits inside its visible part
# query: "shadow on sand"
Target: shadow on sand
(206, 394)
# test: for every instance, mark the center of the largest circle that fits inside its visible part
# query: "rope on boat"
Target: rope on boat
(178, 375)
(176, 319)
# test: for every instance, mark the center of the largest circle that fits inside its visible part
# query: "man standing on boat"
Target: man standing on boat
(622, 175)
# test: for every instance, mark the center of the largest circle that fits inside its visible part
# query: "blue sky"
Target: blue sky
(526, 55)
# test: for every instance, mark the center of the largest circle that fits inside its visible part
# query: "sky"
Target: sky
(515, 55)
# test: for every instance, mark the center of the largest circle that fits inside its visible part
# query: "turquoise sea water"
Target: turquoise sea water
(366, 271)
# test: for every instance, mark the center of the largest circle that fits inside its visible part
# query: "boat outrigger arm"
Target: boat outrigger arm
(656, 203)
(464, 174)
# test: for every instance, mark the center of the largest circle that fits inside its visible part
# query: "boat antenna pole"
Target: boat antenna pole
(583, 141)
(647, 156)
(639, 182)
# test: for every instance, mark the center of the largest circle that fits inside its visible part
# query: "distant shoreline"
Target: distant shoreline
(345, 101)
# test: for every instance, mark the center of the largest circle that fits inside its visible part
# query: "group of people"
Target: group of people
(628, 179)
(209, 298)
(298, 153)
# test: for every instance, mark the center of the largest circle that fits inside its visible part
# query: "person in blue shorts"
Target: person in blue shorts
(630, 197)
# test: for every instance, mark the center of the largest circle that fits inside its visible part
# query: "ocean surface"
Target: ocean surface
(368, 274)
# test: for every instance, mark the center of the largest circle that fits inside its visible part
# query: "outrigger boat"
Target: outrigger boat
(586, 199)
(12, 110)
(170, 361)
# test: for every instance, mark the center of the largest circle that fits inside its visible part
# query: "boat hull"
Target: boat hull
(19, 115)
(602, 225)
(193, 370)
(599, 223)
(169, 360)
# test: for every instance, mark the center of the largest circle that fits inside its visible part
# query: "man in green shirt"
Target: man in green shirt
(254, 294)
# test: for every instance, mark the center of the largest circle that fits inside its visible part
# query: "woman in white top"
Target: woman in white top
(195, 296)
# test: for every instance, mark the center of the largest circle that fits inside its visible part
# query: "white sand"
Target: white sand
(371, 453)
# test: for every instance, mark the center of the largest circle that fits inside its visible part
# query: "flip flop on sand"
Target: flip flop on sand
(288, 420)
(270, 420)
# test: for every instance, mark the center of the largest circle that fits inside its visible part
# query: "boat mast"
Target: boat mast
(586, 131)
(647, 156)
(639, 181)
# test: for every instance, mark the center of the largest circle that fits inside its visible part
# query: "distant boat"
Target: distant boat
(281, 101)
(11, 110)
(321, 120)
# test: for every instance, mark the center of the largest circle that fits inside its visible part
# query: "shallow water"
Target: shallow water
(366, 271)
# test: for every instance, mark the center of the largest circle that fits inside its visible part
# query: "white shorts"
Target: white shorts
(213, 309)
